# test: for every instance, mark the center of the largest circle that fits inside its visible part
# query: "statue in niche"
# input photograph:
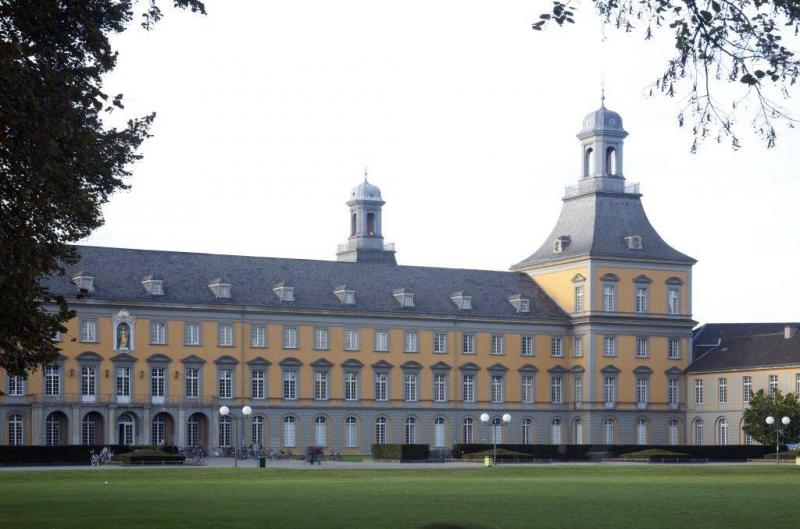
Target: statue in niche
(123, 335)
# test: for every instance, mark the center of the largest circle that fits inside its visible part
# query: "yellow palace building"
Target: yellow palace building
(586, 340)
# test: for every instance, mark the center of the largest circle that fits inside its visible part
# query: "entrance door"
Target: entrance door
(126, 429)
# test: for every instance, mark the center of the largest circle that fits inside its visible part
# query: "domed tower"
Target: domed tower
(365, 244)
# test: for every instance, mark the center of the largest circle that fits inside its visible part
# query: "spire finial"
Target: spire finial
(603, 92)
(365, 173)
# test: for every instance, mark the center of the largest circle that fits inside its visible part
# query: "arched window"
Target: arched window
(15, 435)
(497, 430)
(467, 429)
(555, 432)
(158, 430)
(588, 162)
(641, 432)
(608, 425)
(698, 432)
(673, 432)
(723, 431)
(193, 431)
(380, 430)
(350, 432)
(89, 430)
(578, 432)
(411, 431)
(438, 432)
(611, 161)
(321, 431)
(125, 429)
(257, 431)
(225, 430)
(353, 224)
(370, 223)
(52, 429)
(289, 432)
(527, 431)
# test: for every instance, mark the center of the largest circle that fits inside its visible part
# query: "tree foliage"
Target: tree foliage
(58, 162)
(778, 406)
(741, 42)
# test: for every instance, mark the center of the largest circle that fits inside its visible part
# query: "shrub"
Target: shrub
(62, 455)
(151, 455)
(401, 452)
(583, 452)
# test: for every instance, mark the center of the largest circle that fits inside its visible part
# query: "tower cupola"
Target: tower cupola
(601, 137)
(365, 243)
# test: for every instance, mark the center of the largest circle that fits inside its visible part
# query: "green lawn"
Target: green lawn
(576, 497)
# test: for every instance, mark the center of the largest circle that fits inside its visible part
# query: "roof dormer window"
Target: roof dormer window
(560, 244)
(519, 303)
(284, 292)
(221, 290)
(154, 287)
(84, 282)
(462, 301)
(347, 296)
(634, 242)
(404, 298)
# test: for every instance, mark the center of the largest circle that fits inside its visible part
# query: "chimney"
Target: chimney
(789, 331)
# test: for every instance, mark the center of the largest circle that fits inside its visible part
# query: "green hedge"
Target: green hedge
(588, 452)
(147, 456)
(401, 452)
(61, 455)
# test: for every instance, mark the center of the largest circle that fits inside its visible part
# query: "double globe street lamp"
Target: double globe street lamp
(505, 420)
(770, 421)
(246, 411)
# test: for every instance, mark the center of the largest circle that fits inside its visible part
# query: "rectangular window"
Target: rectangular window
(192, 382)
(773, 385)
(468, 344)
(410, 387)
(747, 388)
(351, 385)
(673, 392)
(157, 378)
(469, 388)
(610, 391)
(381, 341)
(15, 386)
(320, 338)
(556, 390)
(609, 346)
(158, 332)
(52, 381)
(123, 381)
(578, 384)
(321, 385)
(351, 339)
(88, 381)
(290, 385)
(258, 335)
(440, 388)
(498, 343)
(797, 384)
(556, 346)
(411, 342)
(641, 299)
(88, 330)
(440, 342)
(578, 346)
(527, 389)
(191, 333)
(674, 348)
(290, 337)
(579, 298)
(698, 391)
(526, 345)
(609, 298)
(641, 347)
(641, 391)
(381, 386)
(722, 390)
(225, 384)
(497, 389)
(673, 300)
(225, 334)
(257, 380)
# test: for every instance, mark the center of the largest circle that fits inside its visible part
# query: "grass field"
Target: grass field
(618, 497)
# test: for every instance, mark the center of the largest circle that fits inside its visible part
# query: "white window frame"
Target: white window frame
(642, 347)
(609, 346)
(577, 384)
(321, 385)
(289, 384)
(225, 334)
(158, 379)
(440, 342)
(439, 387)
(191, 386)
(698, 391)
(321, 338)
(350, 432)
(225, 384)
(527, 346)
(579, 299)
(722, 390)
(290, 337)
(88, 333)
(673, 300)
(258, 336)
(468, 387)
(88, 381)
(578, 346)
(410, 387)
(158, 332)
(640, 299)
(411, 342)
(527, 389)
(498, 344)
(556, 389)
(556, 346)
(192, 334)
(609, 298)
(381, 387)
(258, 378)
(381, 341)
(674, 349)
(16, 386)
(673, 391)
(351, 339)
(747, 388)
(610, 391)
(351, 385)
(642, 391)
(468, 344)
(52, 381)
(497, 385)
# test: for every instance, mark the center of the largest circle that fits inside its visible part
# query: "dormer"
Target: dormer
(462, 301)
(634, 242)
(347, 296)
(560, 244)
(220, 289)
(519, 303)
(153, 285)
(84, 282)
(283, 291)
(404, 298)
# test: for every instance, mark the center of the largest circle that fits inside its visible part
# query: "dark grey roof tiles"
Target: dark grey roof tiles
(744, 345)
(118, 274)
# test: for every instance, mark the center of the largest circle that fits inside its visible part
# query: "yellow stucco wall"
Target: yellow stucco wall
(626, 289)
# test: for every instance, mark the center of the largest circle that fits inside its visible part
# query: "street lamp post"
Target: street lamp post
(246, 411)
(485, 419)
(770, 421)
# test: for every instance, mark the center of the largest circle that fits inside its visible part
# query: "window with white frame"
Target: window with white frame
(191, 333)
(610, 390)
(527, 431)
(257, 383)
(674, 348)
(579, 298)
(157, 381)
(698, 391)
(410, 387)
(438, 432)
(609, 346)
(258, 336)
(578, 386)
(257, 432)
(52, 381)
(773, 385)
(225, 431)
(351, 340)
(290, 337)
(440, 387)
(468, 430)
(498, 344)
(641, 299)
(556, 346)
(440, 342)
(557, 389)
(747, 388)
(578, 346)
(158, 332)
(468, 387)
(674, 300)
(192, 382)
(411, 342)
(225, 334)
(321, 432)
(722, 390)
(380, 430)
(410, 431)
(468, 344)
(123, 381)
(608, 426)
(88, 381)
(673, 432)
(497, 388)
(225, 384)
(321, 385)
(88, 331)
(321, 338)
(16, 386)
(609, 298)
(641, 391)
(673, 391)
(578, 431)
(52, 430)
(290, 384)
(381, 341)
(527, 389)
(350, 432)
(289, 431)
(642, 347)
(15, 430)
(698, 432)
(748, 439)
(723, 432)
(381, 386)
(641, 432)
(526, 345)
(351, 385)
(555, 432)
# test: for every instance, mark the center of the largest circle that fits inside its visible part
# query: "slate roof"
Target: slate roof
(118, 275)
(718, 346)
(597, 224)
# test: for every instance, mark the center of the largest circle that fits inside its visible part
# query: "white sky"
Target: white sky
(268, 112)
